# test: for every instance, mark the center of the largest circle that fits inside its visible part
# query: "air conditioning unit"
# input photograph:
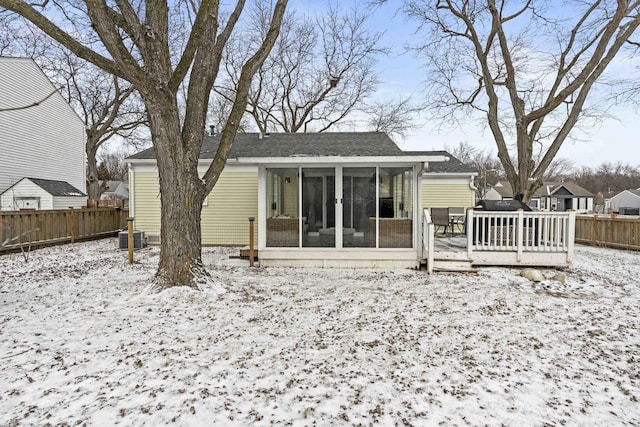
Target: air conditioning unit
(138, 240)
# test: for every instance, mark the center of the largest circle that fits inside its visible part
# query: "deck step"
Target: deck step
(437, 269)
(457, 265)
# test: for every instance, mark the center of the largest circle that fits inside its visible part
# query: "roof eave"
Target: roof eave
(314, 159)
(437, 174)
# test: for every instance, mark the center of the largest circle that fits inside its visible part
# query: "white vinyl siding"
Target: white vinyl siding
(45, 141)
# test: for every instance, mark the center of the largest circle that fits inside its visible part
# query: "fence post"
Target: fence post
(72, 225)
(251, 219)
(130, 238)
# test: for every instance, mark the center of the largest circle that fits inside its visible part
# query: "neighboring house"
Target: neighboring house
(115, 190)
(40, 134)
(42, 194)
(552, 196)
(625, 200)
(323, 199)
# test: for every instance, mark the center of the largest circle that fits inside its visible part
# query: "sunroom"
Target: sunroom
(346, 213)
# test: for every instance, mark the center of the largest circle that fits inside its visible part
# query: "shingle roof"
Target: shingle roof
(359, 144)
(574, 188)
(453, 165)
(338, 144)
(57, 188)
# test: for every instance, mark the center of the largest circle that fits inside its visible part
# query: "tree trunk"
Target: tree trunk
(94, 190)
(181, 196)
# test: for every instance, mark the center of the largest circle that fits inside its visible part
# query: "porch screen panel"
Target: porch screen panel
(359, 207)
(318, 208)
(396, 207)
(283, 223)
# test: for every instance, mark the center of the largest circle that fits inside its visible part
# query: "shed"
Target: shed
(42, 194)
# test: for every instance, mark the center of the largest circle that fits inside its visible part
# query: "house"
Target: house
(40, 134)
(42, 194)
(625, 202)
(550, 197)
(115, 190)
(325, 199)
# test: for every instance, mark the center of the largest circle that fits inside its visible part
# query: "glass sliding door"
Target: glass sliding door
(359, 207)
(319, 207)
(340, 207)
(283, 223)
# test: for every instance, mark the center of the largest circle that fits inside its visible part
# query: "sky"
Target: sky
(616, 140)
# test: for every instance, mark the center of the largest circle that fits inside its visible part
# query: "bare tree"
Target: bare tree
(113, 165)
(140, 43)
(395, 118)
(607, 178)
(529, 73)
(485, 163)
(319, 73)
(107, 105)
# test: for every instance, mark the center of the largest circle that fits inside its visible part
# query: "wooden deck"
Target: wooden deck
(503, 238)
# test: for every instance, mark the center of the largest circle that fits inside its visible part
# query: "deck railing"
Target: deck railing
(512, 238)
(428, 236)
(526, 231)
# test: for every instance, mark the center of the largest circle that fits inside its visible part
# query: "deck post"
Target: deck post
(251, 219)
(520, 234)
(470, 231)
(130, 238)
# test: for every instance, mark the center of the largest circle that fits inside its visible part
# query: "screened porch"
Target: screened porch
(340, 207)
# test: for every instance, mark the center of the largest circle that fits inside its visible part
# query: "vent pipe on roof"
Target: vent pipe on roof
(212, 130)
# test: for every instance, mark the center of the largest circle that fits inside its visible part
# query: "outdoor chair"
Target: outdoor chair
(458, 218)
(440, 218)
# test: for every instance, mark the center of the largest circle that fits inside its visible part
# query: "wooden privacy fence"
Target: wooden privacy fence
(99, 203)
(615, 232)
(47, 227)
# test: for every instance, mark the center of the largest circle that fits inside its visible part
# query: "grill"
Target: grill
(502, 228)
(501, 206)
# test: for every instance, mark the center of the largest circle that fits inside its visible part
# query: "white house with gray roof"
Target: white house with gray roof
(551, 196)
(320, 199)
(41, 136)
(42, 194)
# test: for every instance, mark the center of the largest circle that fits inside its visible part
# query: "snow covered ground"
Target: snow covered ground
(82, 343)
